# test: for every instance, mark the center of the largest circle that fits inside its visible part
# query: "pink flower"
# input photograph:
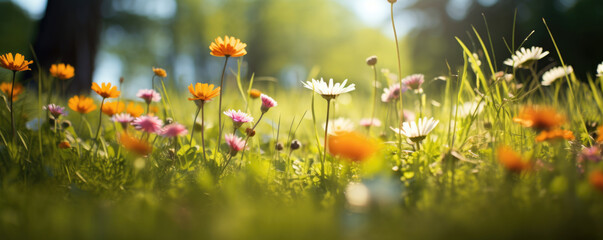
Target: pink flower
(150, 124)
(235, 143)
(238, 118)
(174, 130)
(392, 93)
(267, 103)
(414, 82)
(123, 118)
(592, 154)
(149, 95)
(367, 122)
(55, 110)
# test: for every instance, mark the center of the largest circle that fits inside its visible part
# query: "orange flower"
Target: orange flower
(5, 87)
(14, 64)
(543, 118)
(62, 71)
(229, 47)
(134, 109)
(82, 104)
(112, 108)
(556, 134)
(600, 134)
(204, 92)
(511, 160)
(254, 93)
(351, 145)
(105, 90)
(140, 147)
(159, 72)
(596, 179)
(64, 145)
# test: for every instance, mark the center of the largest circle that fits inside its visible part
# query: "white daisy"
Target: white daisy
(555, 73)
(600, 70)
(328, 91)
(524, 58)
(339, 125)
(416, 132)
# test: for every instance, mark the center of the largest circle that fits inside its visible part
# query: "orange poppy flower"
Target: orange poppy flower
(18, 63)
(254, 93)
(511, 160)
(105, 90)
(229, 47)
(351, 145)
(203, 91)
(556, 134)
(132, 144)
(81, 104)
(134, 109)
(112, 108)
(62, 71)
(159, 72)
(5, 87)
(541, 118)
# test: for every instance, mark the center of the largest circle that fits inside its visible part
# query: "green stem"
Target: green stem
(220, 106)
(374, 97)
(202, 129)
(12, 112)
(324, 154)
(100, 118)
(399, 77)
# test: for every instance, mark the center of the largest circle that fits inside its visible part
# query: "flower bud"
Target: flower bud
(279, 147)
(295, 144)
(64, 144)
(250, 132)
(371, 61)
(65, 124)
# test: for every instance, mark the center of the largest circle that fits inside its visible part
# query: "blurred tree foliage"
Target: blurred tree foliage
(574, 24)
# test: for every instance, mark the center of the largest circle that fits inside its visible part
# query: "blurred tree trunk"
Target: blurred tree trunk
(69, 33)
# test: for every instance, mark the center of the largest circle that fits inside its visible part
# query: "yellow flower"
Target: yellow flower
(14, 64)
(541, 118)
(351, 145)
(511, 160)
(204, 92)
(112, 108)
(82, 104)
(135, 110)
(556, 134)
(254, 93)
(160, 72)
(229, 47)
(62, 71)
(5, 87)
(135, 145)
(105, 90)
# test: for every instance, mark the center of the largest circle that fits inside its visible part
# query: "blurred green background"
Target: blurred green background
(108, 39)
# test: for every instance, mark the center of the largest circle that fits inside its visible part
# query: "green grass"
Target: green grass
(452, 187)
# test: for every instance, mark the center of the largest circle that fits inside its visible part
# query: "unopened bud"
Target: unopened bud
(250, 132)
(279, 147)
(295, 144)
(121, 80)
(65, 124)
(371, 61)
(168, 121)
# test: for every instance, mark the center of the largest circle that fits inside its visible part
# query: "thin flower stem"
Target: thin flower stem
(420, 96)
(324, 153)
(195, 121)
(399, 77)
(374, 97)
(202, 130)
(12, 112)
(100, 120)
(220, 105)
(247, 138)
(148, 107)
(226, 164)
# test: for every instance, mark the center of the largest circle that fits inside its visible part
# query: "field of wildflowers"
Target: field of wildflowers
(493, 152)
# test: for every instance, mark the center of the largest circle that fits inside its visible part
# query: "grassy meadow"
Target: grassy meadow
(492, 150)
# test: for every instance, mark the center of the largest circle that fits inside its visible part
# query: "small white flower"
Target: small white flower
(468, 108)
(600, 70)
(339, 125)
(416, 132)
(524, 58)
(556, 73)
(328, 91)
